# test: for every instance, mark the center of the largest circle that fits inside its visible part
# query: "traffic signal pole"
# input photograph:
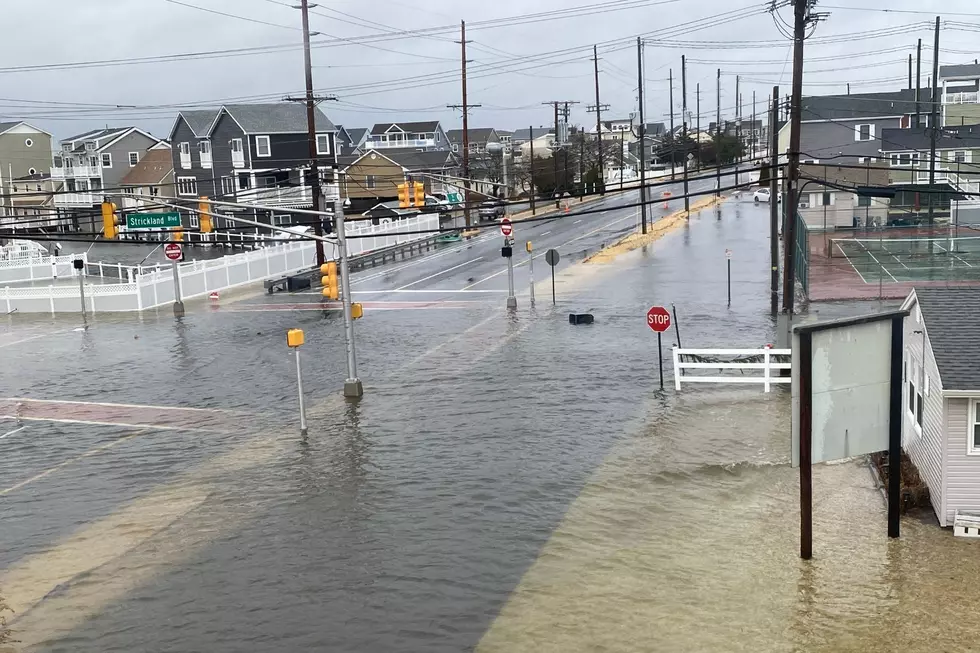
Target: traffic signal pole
(352, 386)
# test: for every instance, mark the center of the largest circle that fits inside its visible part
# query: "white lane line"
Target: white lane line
(440, 273)
(111, 405)
(381, 272)
(421, 292)
(157, 427)
(545, 233)
(9, 433)
(19, 342)
(576, 222)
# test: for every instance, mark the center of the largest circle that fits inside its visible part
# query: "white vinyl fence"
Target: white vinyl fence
(153, 286)
(39, 268)
(748, 363)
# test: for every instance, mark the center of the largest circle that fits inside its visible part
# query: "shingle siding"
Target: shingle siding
(133, 142)
(826, 140)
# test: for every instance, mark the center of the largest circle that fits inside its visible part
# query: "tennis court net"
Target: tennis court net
(904, 247)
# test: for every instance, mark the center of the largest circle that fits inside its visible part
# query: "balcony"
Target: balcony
(969, 97)
(283, 196)
(77, 199)
(392, 144)
(75, 172)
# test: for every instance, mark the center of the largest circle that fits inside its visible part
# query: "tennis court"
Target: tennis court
(903, 260)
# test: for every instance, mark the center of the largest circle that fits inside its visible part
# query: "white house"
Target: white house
(941, 396)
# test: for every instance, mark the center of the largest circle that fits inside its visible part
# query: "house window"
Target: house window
(195, 221)
(323, 143)
(29, 143)
(827, 199)
(134, 158)
(975, 428)
(227, 186)
(864, 132)
(186, 186)
(371, 181)
(262, 147)
(107, 160)
(959, 157)
(864, 200)
(915, 395)
(244, 181)
(455, 147)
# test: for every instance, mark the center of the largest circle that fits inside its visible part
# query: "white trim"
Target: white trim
(962, 394)
(102, 159)
(871, 132)
(864, 119)
(258, 148)
(179, 180)
(971, 423)
(322, 135)
(130, 156)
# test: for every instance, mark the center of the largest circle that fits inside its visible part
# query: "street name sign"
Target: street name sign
(153, 220)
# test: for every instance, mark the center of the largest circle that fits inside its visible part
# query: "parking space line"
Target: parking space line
(157, 427)
(20, 342)
(9, 433)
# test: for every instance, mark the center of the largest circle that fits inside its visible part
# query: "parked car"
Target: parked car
(492, 210)
(762, 195)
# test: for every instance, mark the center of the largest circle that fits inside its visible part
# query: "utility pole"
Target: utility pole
(697, 129)
(466, 129)
(718, 136)
(910, 72)
(774, 201)
(687, 198)
(673, 143)
(800, 20)
(755, 134)
(559, 144)
(918, 86)
(933, 129)
(598, 120)
(581, 167)
(738, 117)
(530, 140)
(316, 190)
(643, 144)
(554, 159)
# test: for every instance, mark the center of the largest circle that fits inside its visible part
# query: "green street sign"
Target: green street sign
(153, 220)
(453, 198)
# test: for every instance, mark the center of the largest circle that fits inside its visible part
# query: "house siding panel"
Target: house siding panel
(962, 470)
(824, 140)
(134, 142)
(925, 450)
(289, 151)
(18, 159)
(224, 131)
(387, 177)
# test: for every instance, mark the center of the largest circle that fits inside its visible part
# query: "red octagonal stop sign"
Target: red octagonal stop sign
(658, 319)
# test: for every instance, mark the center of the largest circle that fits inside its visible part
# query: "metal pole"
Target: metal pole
(918, 85)
(311, 132)
(718, 136)
(792, 200)
(895, 430)
(530, 138)
(673, 143)
(530, 270)
(933, 131)
(81, 294)
(660, 358)
(598, 121)
(729, 283)
(353, 386)
(302, 401)
(503, 164)
(178, 303)
(774, 201)
(466, 132)
(687, 196)
(511, 297)
(553, 301)
(697, 128)
(677, 326)
(806, 471)
(643, 146)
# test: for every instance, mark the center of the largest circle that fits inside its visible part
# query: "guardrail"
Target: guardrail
(766, 360)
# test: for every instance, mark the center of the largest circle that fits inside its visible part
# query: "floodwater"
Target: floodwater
(506, 484)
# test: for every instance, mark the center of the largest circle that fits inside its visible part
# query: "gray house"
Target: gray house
(941, 415)
(848, 128)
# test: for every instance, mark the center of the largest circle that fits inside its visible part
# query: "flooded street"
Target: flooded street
(508, 482)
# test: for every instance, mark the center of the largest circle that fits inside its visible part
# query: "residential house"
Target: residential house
(479, 139)
(485, 166)
(620, 129)
(830, 201)
(151, 179)
(350, 141)
(30, 204)
(92, 163)
(506, 137)
(961, 94)
(848, 128)
(374, 176)
(941, 396)
(422, 136)
(907, 152)
(25, 151)
(543, 139)
(252, 154)
(390, 210)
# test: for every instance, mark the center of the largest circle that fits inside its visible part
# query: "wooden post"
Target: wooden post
(895, 430)
(806, 448)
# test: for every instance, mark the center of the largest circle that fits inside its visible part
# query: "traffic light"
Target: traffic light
(330, 280)
(403, 201)
(179, 234)
(205, 214)
(109, 230)
(356, 311)
(419, 193)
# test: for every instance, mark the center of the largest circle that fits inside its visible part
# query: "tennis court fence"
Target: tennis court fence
(903, 247)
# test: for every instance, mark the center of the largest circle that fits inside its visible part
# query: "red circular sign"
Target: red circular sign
(506, 228)
(173, 251)
(658, 319)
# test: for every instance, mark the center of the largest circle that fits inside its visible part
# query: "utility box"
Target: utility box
(299, 282)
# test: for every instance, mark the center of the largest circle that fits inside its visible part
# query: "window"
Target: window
(810, 161)
(903, 159)
(205, 147)
(236, 145)
(29, 142)
(134, 158)
(323, 143)
(975, 428)
(227, 186)
(262, 146)
(864, 132)
(107, 160)
(96, 184)
(959, 157)
(185, 155)
(370, 181)
(32, 171)
(867, 159)
(914, 373)
(195, 221)
(827, 199)
(186, 186)
(455, 147)
(864, 200)
(244, 181)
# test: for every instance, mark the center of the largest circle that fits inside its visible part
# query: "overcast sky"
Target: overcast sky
(514, 68)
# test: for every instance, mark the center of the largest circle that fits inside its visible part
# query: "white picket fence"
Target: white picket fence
(748, 362)
(151, 287)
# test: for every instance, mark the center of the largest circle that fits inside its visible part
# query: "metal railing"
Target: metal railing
(747, 362)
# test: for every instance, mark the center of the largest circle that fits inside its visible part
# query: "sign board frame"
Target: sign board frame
(141, 221)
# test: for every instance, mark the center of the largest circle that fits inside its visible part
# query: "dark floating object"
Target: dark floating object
(580, 318)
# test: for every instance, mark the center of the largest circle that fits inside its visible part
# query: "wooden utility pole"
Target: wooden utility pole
(697, 129)
(910, 72)
(530, 140)
(554, 159)
(466, 129)
(738, 117)
(314, 180)
(793, 166)
(559, 144)
(687, 198)
(755, 134)
(598, 121)
(673, 143)
(918, 86)
(774, 200)
(718, 135)
(933, 128)
(642, 133)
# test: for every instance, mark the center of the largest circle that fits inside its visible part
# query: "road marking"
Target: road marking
(52, 470)
(545, 233)
(19, 342)
(421, 292)
(382, 272)
(9, 433)
(111, 405)
(576, 222)
(437, 274)
(157, 427)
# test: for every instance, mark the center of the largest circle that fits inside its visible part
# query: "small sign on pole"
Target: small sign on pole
(552, 257)
(658, 319)
(506, 228)
(173, 251)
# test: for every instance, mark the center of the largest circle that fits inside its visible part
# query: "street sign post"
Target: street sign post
(506, 228)
(552, 257)
(728, 255)
(658, 319)
(138, 221)
(174, 252)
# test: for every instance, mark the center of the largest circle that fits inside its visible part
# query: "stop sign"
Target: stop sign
(658, 319)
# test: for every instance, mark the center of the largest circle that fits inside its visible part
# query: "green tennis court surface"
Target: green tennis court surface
(911, 259)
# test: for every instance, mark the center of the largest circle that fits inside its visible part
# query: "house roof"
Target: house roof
(538, 132)
(7, 126)
(393, 206)
(950, 138)
(951, 316)
(874, 175)
(478, 135)
(37, 176)
(407, 158)
(199, 120)
(863, 105)
(415, 127)
(653, 129)
(357, 136)
(107, 134)
(277, 118)
(153, 169)
(966, 71)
